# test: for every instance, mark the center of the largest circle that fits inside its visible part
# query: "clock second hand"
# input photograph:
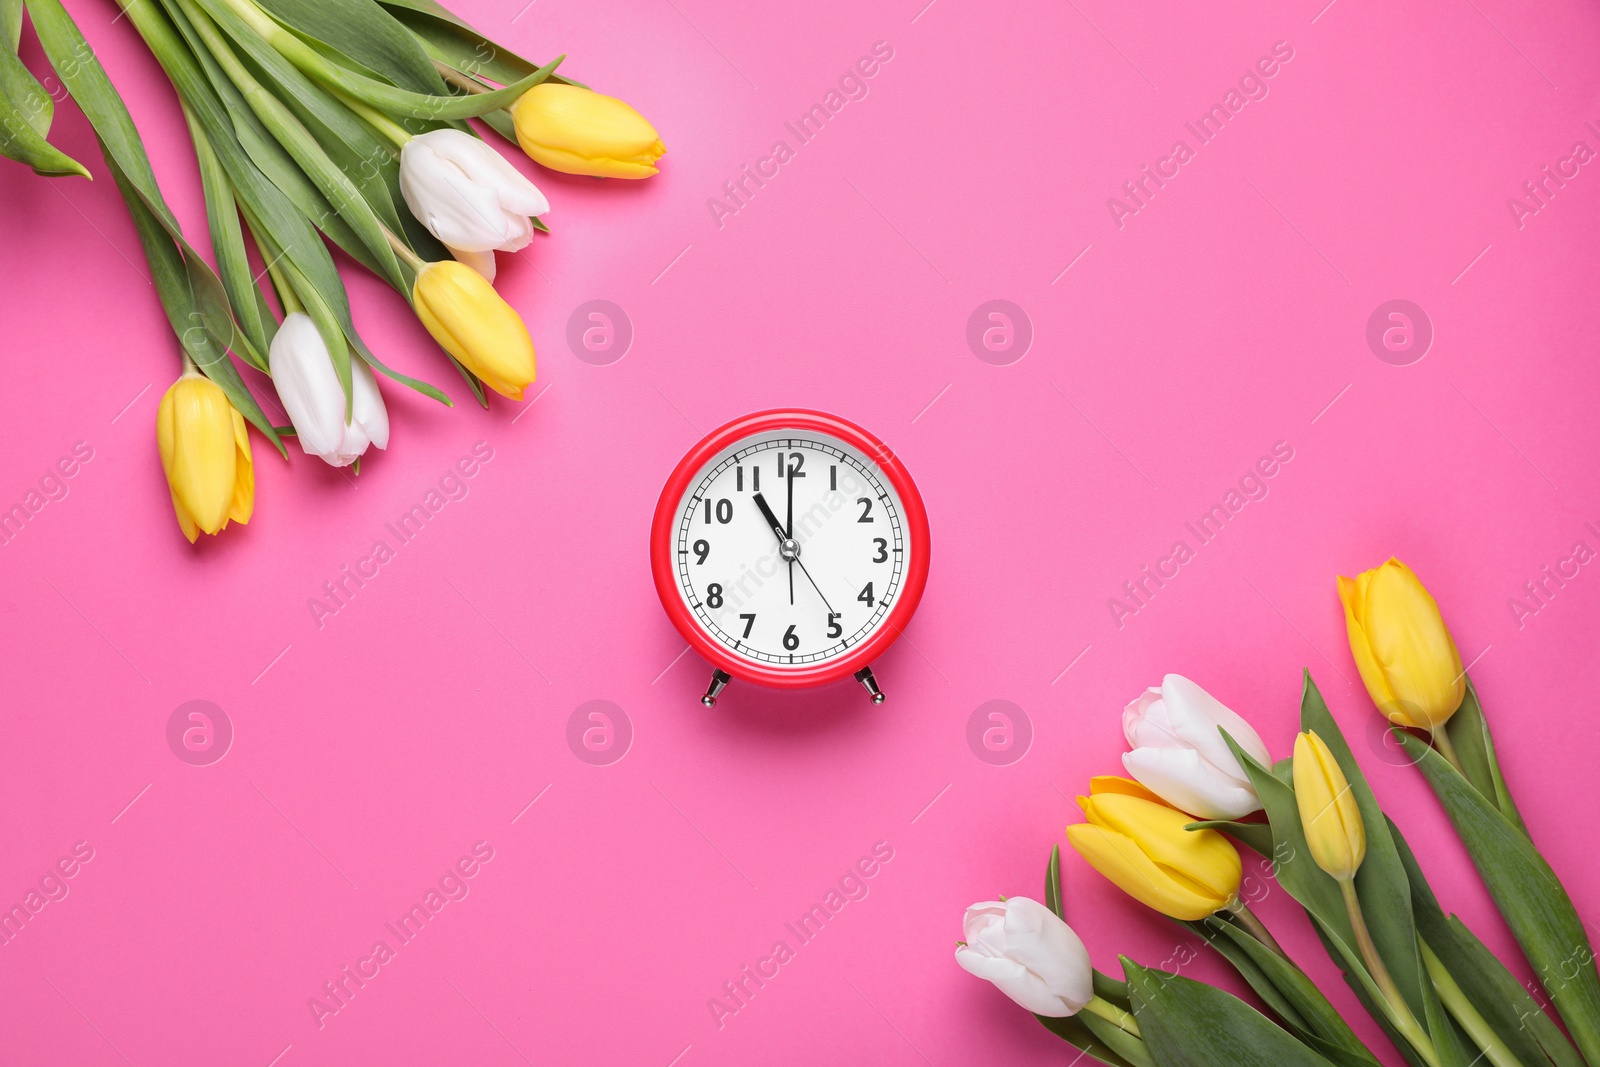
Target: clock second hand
(789, 549)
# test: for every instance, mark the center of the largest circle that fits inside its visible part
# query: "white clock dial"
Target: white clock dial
(813, 575)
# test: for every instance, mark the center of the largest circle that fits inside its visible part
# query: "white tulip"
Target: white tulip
(1029, 954)
(468, 196)
(308, 386)
(1179, 754)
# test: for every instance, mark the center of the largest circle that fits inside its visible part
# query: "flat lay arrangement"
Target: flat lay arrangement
(1090, 498)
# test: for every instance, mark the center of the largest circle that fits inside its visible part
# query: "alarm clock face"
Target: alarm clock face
(791, 549)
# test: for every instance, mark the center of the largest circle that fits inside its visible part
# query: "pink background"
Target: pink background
(1227, 315)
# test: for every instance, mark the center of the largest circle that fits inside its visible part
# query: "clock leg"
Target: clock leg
(870, 684)
(719, 682)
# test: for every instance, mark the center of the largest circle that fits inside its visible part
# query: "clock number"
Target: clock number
(755, 478)
(834, 629)
(792, 468)
(714, 595)
(724, 511)
(791, 640)
(866, 509)
(702, 549)
(881, 557)
(833, 478)
(865, 596)
(749, 624)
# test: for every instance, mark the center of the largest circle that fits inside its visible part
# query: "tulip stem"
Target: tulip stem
(459, 79)
(286, 294)
(1459, 1006)
(403, 250)
(1256, 928)
(1446, 747)
(1399, 1011)
(1113, 1014)
(376, 119)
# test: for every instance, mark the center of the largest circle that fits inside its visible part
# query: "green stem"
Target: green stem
(1113, 1014)
(459, 79)
(1256, 928)
(1446, 747)
(286, 297)
(1467, 1015)
(376, 119)
(1398, 1010)
(403, 250)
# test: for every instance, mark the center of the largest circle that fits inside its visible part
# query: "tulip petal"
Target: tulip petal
(1107, 783)
(1195, 716)
(368, 410)
(1203, 858)
(1015, 981)
(482, 262)
(488, 168)
(1120, 860)
(243, 504)
(1038, 939)
(454, 208)
(1181, 778)
(1334, 831)
(1136, 715)
(308, 386)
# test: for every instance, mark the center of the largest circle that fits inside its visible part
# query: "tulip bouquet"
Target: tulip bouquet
(1166, 836)
(313, 119)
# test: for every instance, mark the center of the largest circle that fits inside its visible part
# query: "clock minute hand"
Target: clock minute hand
(789, 548)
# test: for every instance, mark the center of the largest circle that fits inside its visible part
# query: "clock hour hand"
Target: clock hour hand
(772, 520)
(789, 548)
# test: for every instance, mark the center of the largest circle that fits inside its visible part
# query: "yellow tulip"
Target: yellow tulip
(471, 322)
(1401, 647)
(1142, 846)
(1334, 831)
(205, 453)
(578, 131)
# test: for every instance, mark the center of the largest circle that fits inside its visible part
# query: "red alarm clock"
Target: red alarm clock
(790, 548)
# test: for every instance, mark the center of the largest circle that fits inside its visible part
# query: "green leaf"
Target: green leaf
(1072, 1031)
(1052, 883)
(171, 280)
(191, 293)
(1385, 891)
(1318, 1020)
(11, 23)
(286, 127)
(270, 214)
(1190, 1024)
(364, 31)
(17, 82)
(1319, 894)
(456, 44)
(21, 141)
(227, 242)
(374, 92)
(1493, 990)
(1468, 730)
(1258, 835)
(1214, 929)
(1528, 894)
